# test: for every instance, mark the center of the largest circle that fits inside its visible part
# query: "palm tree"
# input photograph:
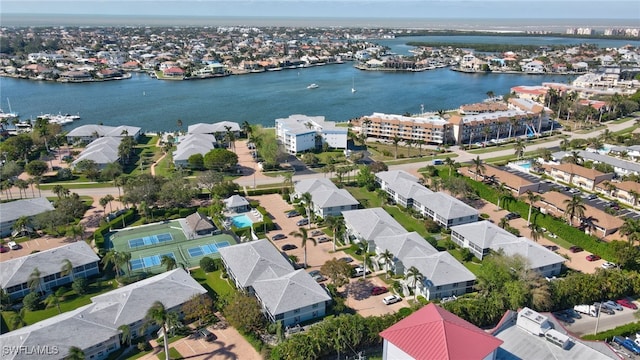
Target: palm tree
(634, 195)
(504, 222)
(388, 257)
(67, 269)
(336, 224)
(115, 258)
(158, 315)
(574, 208)
(589, 224)
(307, 199)
(75, 353)
(287, 181)
(35, 281)
(304, 237)
(179, 124)
(573, 158)
(502, 192)
(168, 262)
(247, 129)
(396, 140)
(126, 335)
(450, 163)
(513, 122)
(60, 191)
(54, 299)
(536, 232)
(532, 198)
(519, 147)
(416, 278)
(478, 167)
(17, 320)
(631, 229)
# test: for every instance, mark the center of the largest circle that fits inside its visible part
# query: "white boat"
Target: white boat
(312, 86)
(10, 114)
(353, 86)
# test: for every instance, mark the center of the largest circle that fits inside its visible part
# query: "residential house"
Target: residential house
(442, 208)
(16, 273)
(627, 192)
(285, 294)
(434, 333)
(218, 129)
(101, 151)
(535, 93)
(516, 184)
(555, 203)
(574, 174)
(192, 144)
(199, 224)
(299, 133)
(442, 274)
(484, 236)
(620, 167)
(13, 210)
(326, 198)
(96, 326)
(88, 133)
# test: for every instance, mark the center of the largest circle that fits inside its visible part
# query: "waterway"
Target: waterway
(156, 105)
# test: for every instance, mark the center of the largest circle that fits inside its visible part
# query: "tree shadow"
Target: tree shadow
(359, 289)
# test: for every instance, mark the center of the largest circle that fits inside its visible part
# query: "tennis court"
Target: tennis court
(149, 261)
(150, 240)
(206, 249)
(148, 243)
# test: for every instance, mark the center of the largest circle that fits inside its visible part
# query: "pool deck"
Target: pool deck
(252, 214)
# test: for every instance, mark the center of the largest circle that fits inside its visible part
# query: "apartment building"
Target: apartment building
(577, 175)
(430, 129)
(299, 133)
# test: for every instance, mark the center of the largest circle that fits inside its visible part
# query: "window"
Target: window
(296, 311)
(315, 306)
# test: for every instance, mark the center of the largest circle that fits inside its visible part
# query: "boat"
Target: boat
(312, 86)
(10, 114)
(353, 85)
(60, 118)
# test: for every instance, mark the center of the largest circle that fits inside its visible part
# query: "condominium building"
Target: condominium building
(430, 129)
(299, 133)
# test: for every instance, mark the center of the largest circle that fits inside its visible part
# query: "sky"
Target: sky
(473, 9)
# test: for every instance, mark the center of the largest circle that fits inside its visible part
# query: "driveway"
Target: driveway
(587, 324)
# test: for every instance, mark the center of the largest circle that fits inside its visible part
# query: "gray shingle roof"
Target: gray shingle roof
(97, 322)
(445, 205)
(605, 159)
(14, 210)
(324, 193)
(440, 268)
(103, 130)
(373, 222)
(402, 183)
(198, 222)
(219, 127)
(17, 271)
(406, 244)
(292, 291)
(255, 260)
(235, 201)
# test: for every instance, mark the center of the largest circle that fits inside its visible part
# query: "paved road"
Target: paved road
(587, 325)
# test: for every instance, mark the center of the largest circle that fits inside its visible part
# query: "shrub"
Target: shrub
(31, 301)
(207, 264)
(466, 254)
(431, 226)
(80, 286)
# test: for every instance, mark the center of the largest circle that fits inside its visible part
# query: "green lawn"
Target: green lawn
(71, 302)
(212, 282)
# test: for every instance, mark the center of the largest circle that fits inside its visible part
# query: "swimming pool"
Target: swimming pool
(525, 165)
(241, 221)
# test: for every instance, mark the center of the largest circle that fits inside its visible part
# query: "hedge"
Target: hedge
(129, 216)
(255, 192)
(624, 330)
(552, 224)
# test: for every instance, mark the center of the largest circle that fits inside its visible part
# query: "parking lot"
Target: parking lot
(587, 324)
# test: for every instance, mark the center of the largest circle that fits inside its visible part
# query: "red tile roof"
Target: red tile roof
(434, 333)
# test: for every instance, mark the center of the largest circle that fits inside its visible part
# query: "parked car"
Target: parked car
(323, 239)
(377, 290)
(359, 271)
(4, 249)
(302, 222)
(287, 247)
(608, 265)
(346, 259)
(13, 245)
(612, 304)
(592, 197)
(575, 249)
(627, 303)
(604, 308)
(278, 237)
(593, 257)
(564, 317)
(314, 273)
(391, 299)
(573, 313)
(511, 216)
(551, 247)
(206, 334)
(574, 191)
(317, 232)
(292, 213)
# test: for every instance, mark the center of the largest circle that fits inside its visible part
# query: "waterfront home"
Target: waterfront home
(192, 144)
(102, 151)
(285, 294)
(218, 129)
(534, 93)
(483, 236)
(96, 326)
(11, 211)
(88, 133)
(299, 133)
(16, 273)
